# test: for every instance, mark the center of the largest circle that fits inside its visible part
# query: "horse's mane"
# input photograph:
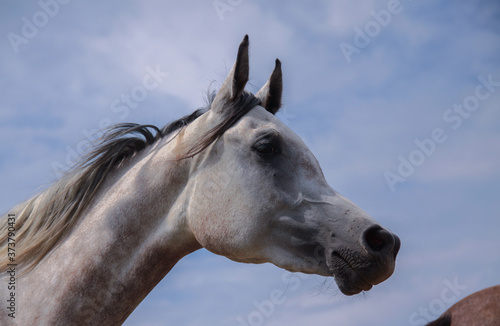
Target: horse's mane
(43, 220)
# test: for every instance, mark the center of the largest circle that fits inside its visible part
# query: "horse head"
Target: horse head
(257, 194)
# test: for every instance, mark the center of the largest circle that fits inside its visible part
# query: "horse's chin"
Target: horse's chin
(348, 280)
(354, 285)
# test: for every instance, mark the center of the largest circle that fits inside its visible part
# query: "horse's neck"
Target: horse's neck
(124, 245)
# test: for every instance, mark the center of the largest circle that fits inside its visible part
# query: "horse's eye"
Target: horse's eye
(265, 149)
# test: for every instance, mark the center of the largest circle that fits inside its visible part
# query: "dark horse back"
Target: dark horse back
(481, 308)
(441, 321)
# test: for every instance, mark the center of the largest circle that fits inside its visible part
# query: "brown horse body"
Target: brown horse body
(478, 309)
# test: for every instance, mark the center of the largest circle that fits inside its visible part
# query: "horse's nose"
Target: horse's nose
(380, 241)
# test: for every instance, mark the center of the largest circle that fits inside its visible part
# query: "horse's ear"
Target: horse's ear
(235, 82)
(270, 93)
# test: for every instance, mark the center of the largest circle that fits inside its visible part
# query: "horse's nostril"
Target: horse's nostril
(397, 245)
(380, 240)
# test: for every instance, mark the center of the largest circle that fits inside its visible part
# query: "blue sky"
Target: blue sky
(405, 124)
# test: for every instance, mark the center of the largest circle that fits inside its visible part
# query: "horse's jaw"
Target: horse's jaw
(330, 236)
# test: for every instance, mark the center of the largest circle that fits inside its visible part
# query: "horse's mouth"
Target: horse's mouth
(349, 281)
